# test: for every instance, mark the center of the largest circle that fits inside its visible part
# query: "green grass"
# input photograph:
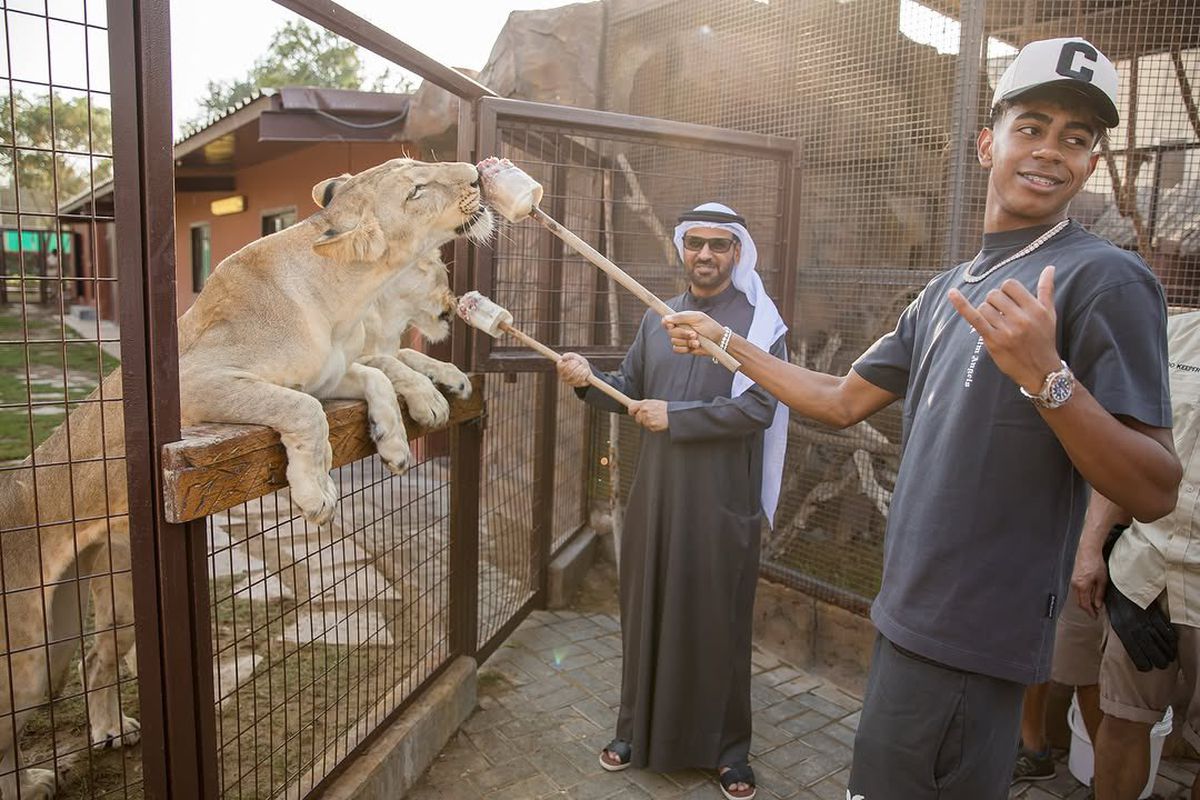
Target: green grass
(79, 359)
(14, 390)
(492, 683)
(56, 365)
(14, 432)
(10, 323)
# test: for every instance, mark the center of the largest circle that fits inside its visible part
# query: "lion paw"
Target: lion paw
(316, 498)
(427, 406)
(453, 379)
(112, 737)
(38, 784)
(394, 452)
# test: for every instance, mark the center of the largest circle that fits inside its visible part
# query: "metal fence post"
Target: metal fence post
(792, 230)
(545, 439)
(964, 110)
(466, 472)
(170, 581)
(466, 444)
(544, 442)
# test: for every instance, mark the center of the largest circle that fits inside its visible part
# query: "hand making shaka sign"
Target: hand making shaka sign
(1017, 328)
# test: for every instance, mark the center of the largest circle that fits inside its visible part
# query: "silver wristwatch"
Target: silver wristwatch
(1056, 389)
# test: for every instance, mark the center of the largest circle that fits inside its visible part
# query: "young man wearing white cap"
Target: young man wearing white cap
(710, 466)
(1028, 373)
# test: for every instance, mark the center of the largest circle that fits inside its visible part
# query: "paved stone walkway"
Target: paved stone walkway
(547, 704)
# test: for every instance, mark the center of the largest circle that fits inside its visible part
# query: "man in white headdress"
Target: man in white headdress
(709, 469)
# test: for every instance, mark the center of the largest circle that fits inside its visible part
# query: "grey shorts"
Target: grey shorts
(932, 731)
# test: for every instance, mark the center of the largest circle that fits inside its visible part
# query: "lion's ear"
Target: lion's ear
(362, 242)
(324, 191)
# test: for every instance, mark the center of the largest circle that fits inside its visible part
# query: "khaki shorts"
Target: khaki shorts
(1078, 645)
(1136, 696)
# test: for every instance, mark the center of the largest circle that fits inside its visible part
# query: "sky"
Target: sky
(221, 39)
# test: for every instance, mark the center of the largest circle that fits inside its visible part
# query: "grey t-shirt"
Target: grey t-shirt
(987, 509)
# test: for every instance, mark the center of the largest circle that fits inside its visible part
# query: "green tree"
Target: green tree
(299, 55)
(53, 147)
(31, 126)
(388, 81)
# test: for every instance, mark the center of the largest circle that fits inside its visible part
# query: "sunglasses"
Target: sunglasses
(719, 244)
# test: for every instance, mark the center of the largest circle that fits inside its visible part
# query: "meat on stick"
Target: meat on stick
(481, 313)
(515, 195)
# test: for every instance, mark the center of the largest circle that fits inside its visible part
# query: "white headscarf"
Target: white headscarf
(766, 327)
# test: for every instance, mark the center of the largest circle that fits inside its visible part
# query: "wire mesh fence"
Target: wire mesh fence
(620, 189)
(67, 672)
(320, 634)
(509, 559)
(573, 460)
(886, 98)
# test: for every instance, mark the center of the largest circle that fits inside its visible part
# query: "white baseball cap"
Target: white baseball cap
(1073, 63)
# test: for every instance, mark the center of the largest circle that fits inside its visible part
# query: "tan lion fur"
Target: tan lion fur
(400, 305)
(280, 325)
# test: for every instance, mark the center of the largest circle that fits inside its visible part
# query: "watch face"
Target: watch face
(1060, 389)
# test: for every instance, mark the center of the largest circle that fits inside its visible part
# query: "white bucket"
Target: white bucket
(1081, 761)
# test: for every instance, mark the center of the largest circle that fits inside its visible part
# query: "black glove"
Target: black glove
(1147, 634)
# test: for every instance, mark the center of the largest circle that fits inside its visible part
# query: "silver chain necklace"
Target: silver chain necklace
(1024, 251)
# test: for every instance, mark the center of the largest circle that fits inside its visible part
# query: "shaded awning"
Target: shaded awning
(278, 122)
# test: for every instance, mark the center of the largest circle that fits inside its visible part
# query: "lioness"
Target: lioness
(270, 362)
(401, 304)
(278, 327)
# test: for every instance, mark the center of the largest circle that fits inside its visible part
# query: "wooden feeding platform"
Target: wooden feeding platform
(215, 467)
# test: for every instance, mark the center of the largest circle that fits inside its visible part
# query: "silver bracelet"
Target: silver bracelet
(725, 337)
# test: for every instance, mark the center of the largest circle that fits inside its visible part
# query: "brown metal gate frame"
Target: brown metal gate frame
(480, 110)
(170, 584)
(170, 579)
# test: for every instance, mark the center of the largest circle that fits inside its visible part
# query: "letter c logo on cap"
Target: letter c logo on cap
(1066, 61)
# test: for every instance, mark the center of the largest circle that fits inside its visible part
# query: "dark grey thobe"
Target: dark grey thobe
(689, 554)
